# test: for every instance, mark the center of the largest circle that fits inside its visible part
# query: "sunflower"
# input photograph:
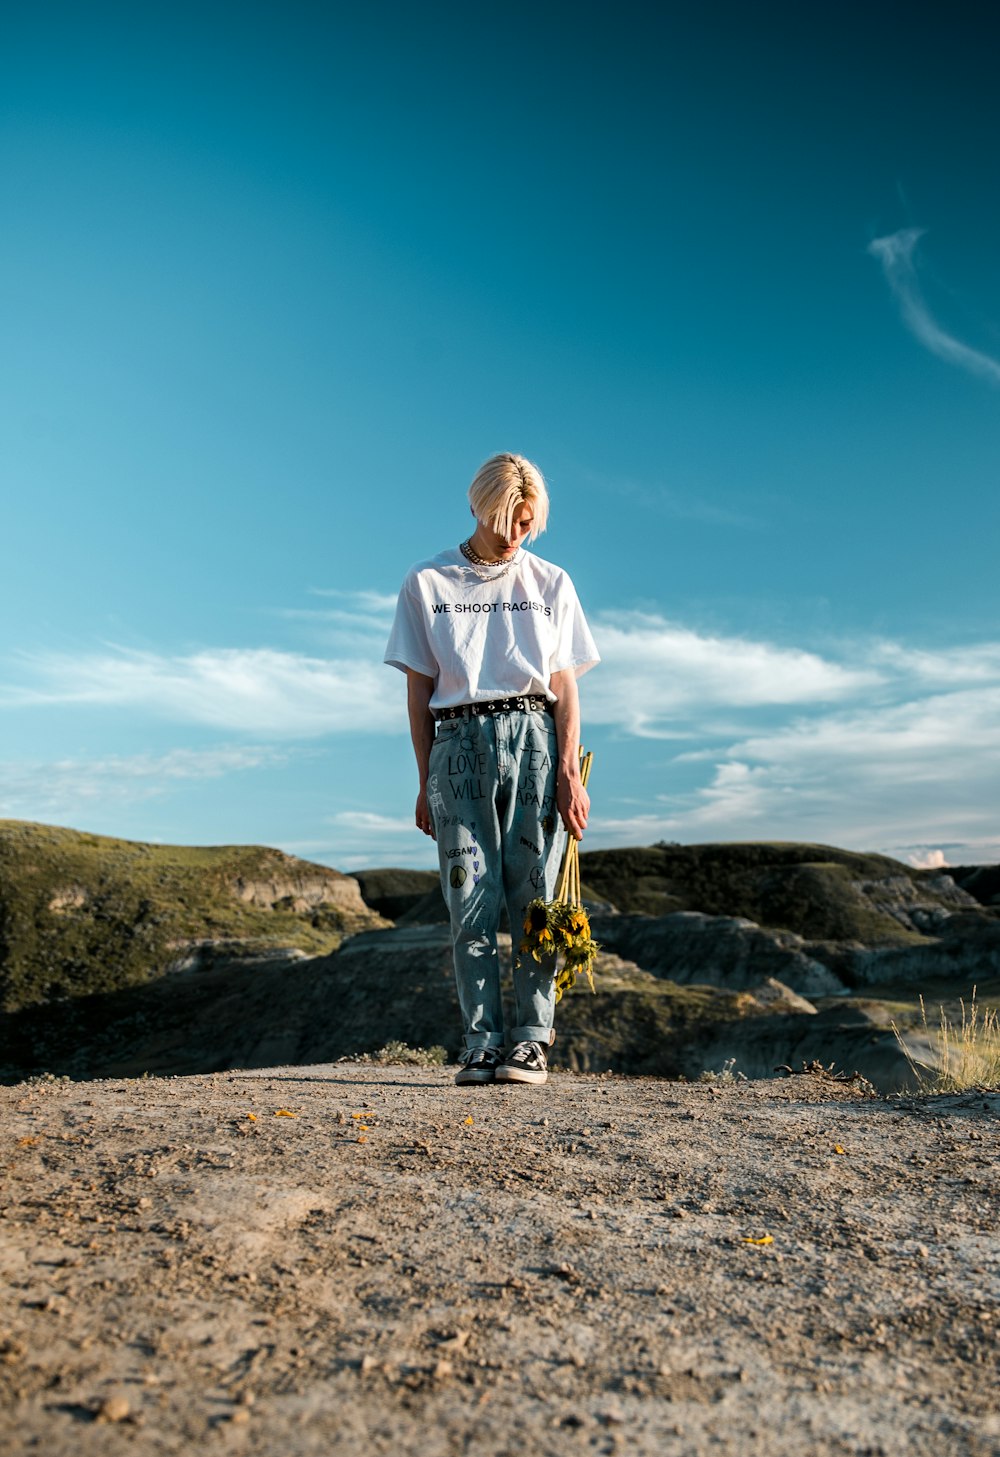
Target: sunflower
(562, 925)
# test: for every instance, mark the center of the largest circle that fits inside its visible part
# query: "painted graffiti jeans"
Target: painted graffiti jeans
(491, 791)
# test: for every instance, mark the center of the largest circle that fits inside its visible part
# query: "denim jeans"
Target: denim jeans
(491, 791)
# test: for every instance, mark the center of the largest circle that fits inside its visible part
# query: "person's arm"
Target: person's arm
(571, 797)
(418, 696)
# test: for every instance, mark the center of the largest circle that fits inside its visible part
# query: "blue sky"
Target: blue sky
(275, 280)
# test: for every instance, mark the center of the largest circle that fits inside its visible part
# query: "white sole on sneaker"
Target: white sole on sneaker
(519, 1075)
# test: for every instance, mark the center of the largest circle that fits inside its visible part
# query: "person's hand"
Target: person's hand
(574, 804)
(423, 815)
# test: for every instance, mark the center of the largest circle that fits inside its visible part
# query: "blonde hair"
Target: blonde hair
(502, 485)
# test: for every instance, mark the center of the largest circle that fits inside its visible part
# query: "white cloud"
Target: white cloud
(357, 627)
(363, 602)
(875, 744)
(369, 823)
(928, 860)
(341, 632)
(336, 617)
(921, 739)
(254, 690)
(60, 789)
(904, 777)
(975, 663)
(895, 254)
(368, 838)
(657, 677)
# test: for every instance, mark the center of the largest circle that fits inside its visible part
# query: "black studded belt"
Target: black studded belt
(527, 703)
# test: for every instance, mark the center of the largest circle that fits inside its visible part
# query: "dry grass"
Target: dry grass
(725, 1077)
(966, 1052)
(400, 1054)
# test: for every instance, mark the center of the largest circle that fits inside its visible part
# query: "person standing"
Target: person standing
(492, 640)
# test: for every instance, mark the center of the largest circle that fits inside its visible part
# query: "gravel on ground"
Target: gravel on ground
(364, 1259)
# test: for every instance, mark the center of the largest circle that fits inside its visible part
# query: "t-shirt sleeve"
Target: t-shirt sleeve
(575, 647)
(408, 645)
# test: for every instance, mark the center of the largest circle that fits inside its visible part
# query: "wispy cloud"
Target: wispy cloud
(678, 505)
(895, 253)
(660, 679)
(916, 774)
(351, 624)
(955, 666)
(252, 690)
(876, 744)
(370, 823)
(63, 788)
(365, 602)
(871, 744)
(367, 838)
(918, 741)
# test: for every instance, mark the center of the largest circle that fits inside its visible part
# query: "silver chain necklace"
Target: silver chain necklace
(478, 561)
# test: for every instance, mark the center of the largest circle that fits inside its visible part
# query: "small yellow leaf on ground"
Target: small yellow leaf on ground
(837, 1148)
(357, 1115)
(764, 1239)
(362, 1138)
(252, 1117)
(284, 1113)
(470, 1119)
(26, 1142)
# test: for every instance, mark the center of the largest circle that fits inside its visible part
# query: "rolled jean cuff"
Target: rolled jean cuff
(531, 1034)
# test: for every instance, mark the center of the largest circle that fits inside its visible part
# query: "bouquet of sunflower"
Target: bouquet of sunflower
(562, 925)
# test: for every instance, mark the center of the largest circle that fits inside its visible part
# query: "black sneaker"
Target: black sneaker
(524, 1064)
(479, 1065)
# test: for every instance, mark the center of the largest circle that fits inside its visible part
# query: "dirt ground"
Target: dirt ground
(355, 1259)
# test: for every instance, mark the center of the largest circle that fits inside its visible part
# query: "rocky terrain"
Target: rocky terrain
(366, 1259)
(120, 959)
(216, 1228)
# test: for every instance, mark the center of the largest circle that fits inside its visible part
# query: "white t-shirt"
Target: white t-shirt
(488, 639)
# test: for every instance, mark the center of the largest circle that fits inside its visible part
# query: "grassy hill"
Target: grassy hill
(118, 957)
(84, 913)
(817, 891)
